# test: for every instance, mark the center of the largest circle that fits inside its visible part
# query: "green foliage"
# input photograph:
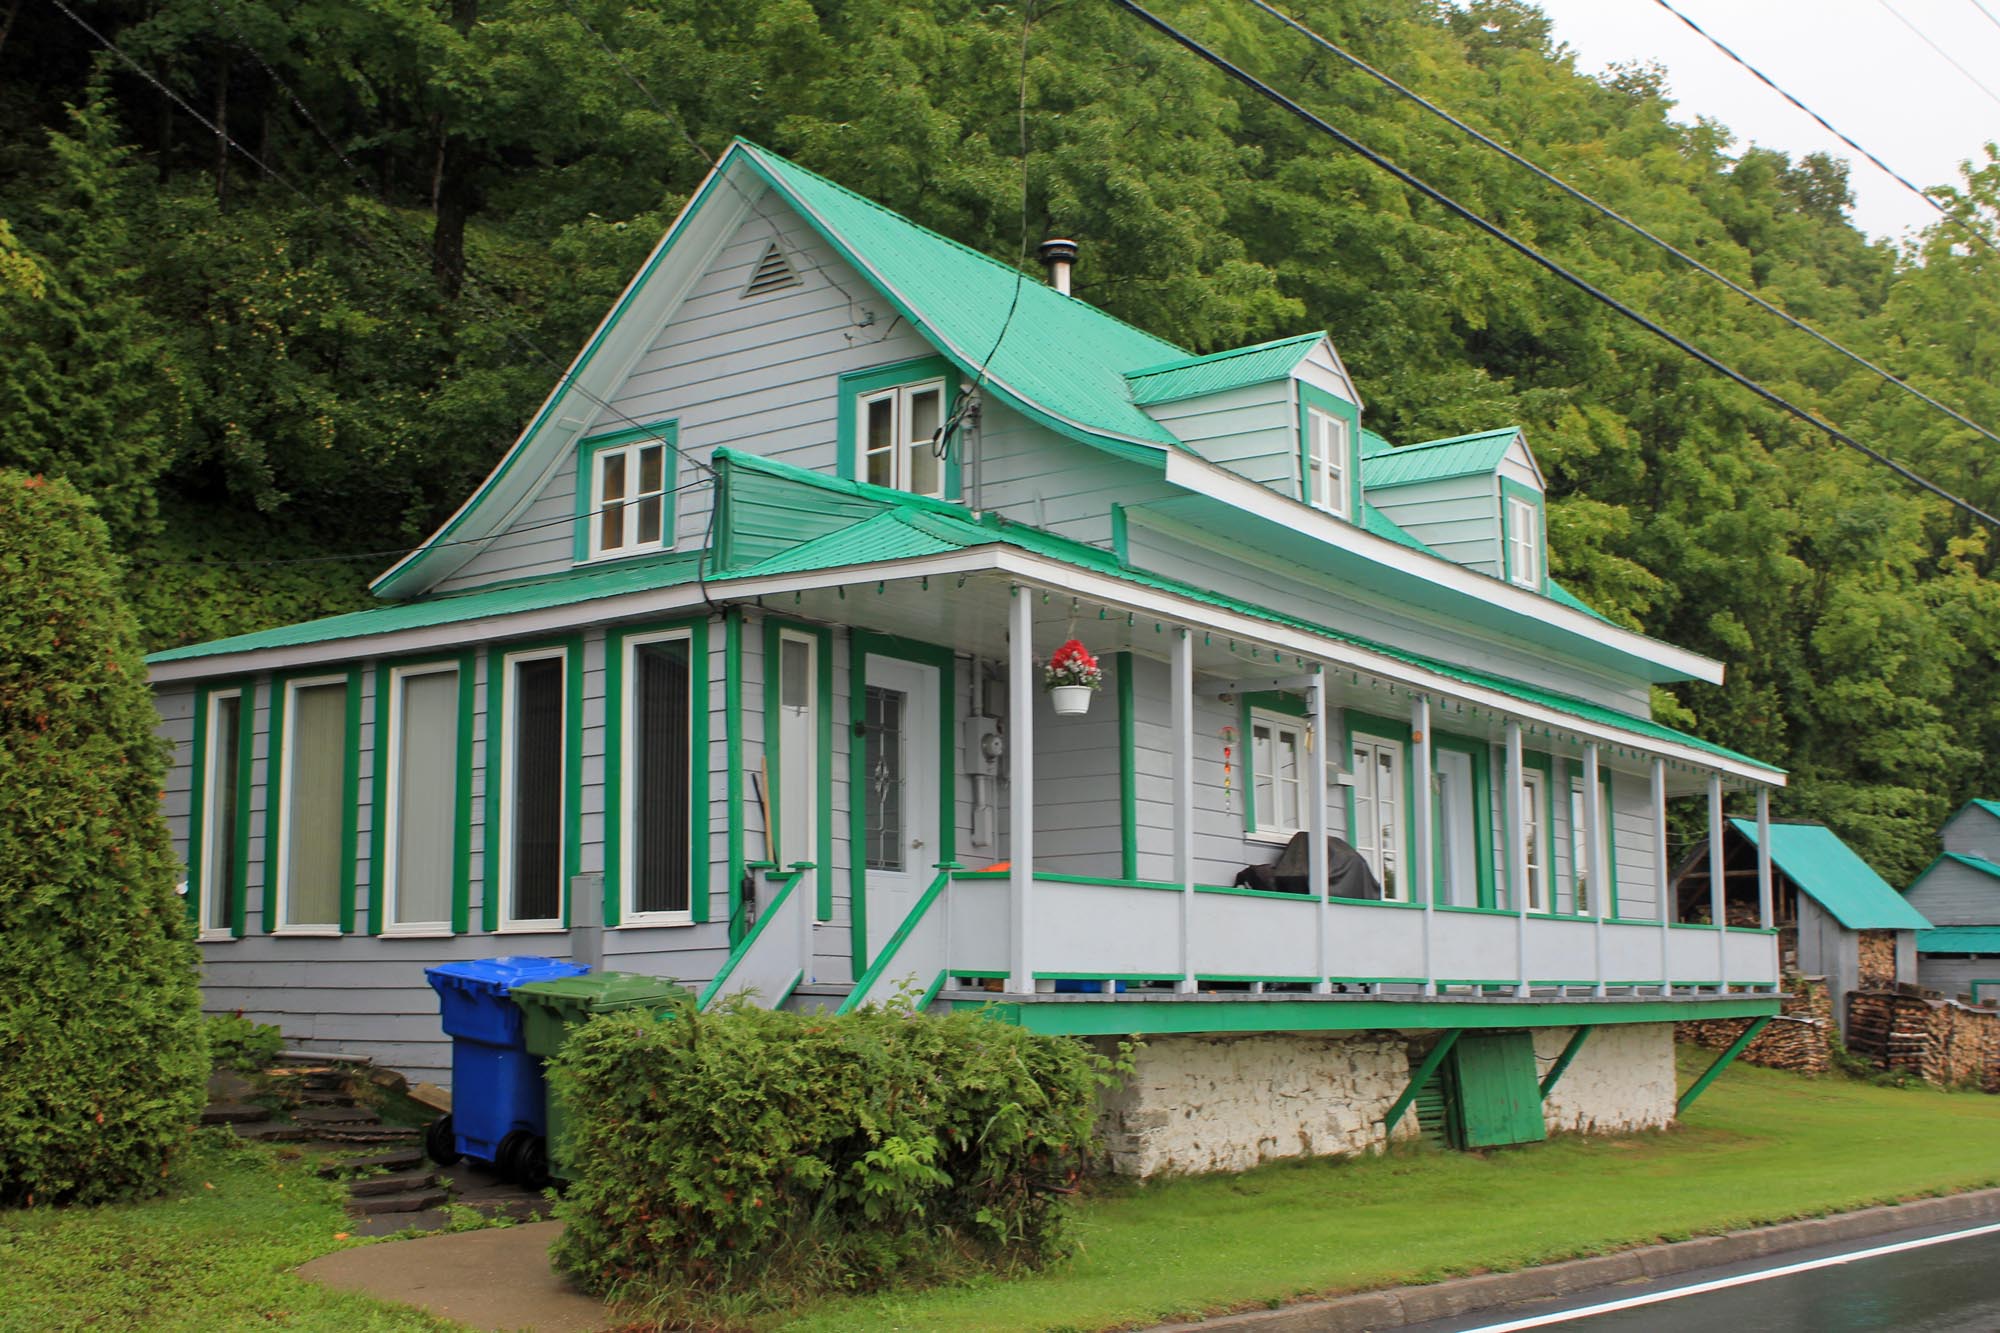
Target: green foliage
(761, 1155)
(241, 1044)
(99, 1021)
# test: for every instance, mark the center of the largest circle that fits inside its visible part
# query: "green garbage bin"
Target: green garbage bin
(549, 1009)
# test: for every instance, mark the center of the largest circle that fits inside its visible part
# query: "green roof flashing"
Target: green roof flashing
(1959, 939)
(1437, 460)
(1217, 372)
(1813, 857)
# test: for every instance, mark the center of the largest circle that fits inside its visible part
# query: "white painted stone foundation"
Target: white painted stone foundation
(1226, 1102)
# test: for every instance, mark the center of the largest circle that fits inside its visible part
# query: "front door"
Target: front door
(899, 794)
(798, 755)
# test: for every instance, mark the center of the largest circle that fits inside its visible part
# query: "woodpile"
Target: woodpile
(1943, 1042)
(1877, 967)
(1800, 1040)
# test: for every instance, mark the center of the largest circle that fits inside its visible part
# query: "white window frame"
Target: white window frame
(1582, 882)
(1524, 543)
(594, 519)
(503, 881)
(1535, 819)
(1282, 725)
(1400, 830)
(1457, 875)
(208, 821)
(900, 446)
(628, 785)
(287, 788)
(387, 753)
(1329, 460)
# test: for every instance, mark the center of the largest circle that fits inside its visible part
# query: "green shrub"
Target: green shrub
(766, 1156)
(242, 1045)
(102, 1062)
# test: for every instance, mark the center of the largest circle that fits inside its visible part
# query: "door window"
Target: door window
(1378, 811)
(886, 768)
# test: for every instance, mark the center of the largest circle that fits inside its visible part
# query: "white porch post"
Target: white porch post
(1183, 720)
(1021, 793)
(1600, 876)
(1322, 750)
(1663, 874)
(1765, 909)
(1517, 855)
(1420, 835)
(1717, 902)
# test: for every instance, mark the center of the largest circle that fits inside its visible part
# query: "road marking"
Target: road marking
(1719, 1284)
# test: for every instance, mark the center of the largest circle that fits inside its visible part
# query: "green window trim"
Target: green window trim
(857, 384)
(1574, 768)
(274, 790)
(732, 718)
(571, 647)
(1128, 768)
(668, 433)
(1388, 729)
(775, 628)
(1310, 397)
(466, 664)
(861, 644)
(1268, 701)
(1545, 765)
(1514, 490)
(1482, 824)
(700, 679)
(239, 852)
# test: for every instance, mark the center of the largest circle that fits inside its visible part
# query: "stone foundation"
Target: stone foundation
(1621, 1080)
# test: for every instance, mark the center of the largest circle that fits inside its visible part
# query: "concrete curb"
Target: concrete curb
(1400, 1306)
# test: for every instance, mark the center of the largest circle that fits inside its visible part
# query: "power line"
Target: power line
(1527, 251)
(1949, 58)
(1827, 125)
(1990, 18)
(1887, 376)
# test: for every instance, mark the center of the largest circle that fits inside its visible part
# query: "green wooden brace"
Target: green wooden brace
(1562, 1061)
(1722, 1062)
(1418, 1079)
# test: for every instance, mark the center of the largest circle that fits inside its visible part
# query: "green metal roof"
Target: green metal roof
(1814, 858)
(1990, 807)
(1959, 939)
(1979, 863)
(1193, 376)
(537, 594)
(1436, 460)
(1063, 359)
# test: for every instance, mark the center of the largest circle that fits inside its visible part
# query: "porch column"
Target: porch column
(1320, 751)
(1764, 906)
(1600, 876)
(1717, 901)
(1517, 856)
(1183, 721)
(1021, 787)
(1663, 873)
(1420, 836)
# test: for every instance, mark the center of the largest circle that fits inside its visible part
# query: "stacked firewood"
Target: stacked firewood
(1877, 958)
(1944, 1042)
(1798, 1040)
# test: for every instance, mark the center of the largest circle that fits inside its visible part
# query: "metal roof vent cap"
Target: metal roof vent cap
(1059, 253)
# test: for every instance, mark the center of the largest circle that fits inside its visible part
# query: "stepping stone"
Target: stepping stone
(405, 1183)
(336, 1115)
(407, 1160)
(270, 1131)
(233, 1113)
(388, 1224)
(226, 1085)
(342, 1135)
(410, 1201)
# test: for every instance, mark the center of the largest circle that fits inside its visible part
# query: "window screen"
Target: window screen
(219, 886)
(661, 764)
(537, 795)
(426, 759)
(316, 772)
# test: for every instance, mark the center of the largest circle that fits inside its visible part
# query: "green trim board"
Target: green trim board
(775, 627)
(1514, 490)
(668, 433)
(1128, 768)
(1569, 1050)
(856, 384)
(1481, 755)
(274, 788)
(1432, 1060)
(570, 646)
(239, 851)
(1312, 397)
(466, 665)
(732, 713)
(616, 724)
(1757, 1024)
(1162, 1015)
(862, 644)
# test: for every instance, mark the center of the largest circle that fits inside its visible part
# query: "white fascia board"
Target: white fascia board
(598, 368)
(1114, 592)
(1192, 474)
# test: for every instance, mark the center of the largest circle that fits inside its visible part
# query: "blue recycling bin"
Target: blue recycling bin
(499, 1108)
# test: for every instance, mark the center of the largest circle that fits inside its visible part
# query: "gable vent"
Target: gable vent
(774, 271)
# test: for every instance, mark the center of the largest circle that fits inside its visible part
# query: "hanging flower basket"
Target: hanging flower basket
(1071, 677)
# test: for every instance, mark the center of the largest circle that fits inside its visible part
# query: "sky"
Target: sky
(1853, 61)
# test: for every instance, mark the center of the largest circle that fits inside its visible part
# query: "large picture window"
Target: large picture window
(312, 815)
(659, 758)
(421, 840)
(219, 873)
(534, 782)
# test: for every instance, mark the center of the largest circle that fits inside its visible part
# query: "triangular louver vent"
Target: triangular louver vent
(773, 272)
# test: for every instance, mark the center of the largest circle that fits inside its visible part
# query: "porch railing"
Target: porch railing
(772, 958)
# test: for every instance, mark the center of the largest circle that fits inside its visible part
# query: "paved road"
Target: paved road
(1931, 1281)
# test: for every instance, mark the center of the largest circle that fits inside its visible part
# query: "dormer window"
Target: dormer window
(1329, 461)
(1523, 522)
(889, 420)
(628, 492)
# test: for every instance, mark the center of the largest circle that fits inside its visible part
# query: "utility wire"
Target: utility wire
(1949, 58)
(1527, 251)
(1990, 18)
(1827, 125)
(1573, 192)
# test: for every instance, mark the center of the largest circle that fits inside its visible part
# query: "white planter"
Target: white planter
(1071, 700)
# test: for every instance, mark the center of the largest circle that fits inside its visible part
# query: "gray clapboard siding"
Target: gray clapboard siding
(1252, 430)
(1458, 517)
(1954, 976)
(1953, 894)
(176, 708)
(1032, 475)
(1516, 465)
(1973, 832)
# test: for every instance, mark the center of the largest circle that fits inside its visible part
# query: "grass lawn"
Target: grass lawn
(212, 1254)
(1759, 1146)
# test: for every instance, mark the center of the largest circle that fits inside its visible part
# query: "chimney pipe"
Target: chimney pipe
(1058, 253)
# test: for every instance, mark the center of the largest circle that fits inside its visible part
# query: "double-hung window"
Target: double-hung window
(1457, 832)
(1328, 461)
(1524, 542)
(658, 758)
(419, 843)
(1587, 864)
(1277, 774)
(895, 428)
(1534, 835)
(218, 876)
(631, 480)
(533, 788)
(312, 815)
(1378, 811)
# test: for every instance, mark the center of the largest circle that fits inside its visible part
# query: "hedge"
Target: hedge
(781, 1155)
(102, 1058)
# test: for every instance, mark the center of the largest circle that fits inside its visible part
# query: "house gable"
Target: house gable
(1974, 830)
(1958, 890)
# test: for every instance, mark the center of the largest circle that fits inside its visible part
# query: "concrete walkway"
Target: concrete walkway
(497, 1280)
